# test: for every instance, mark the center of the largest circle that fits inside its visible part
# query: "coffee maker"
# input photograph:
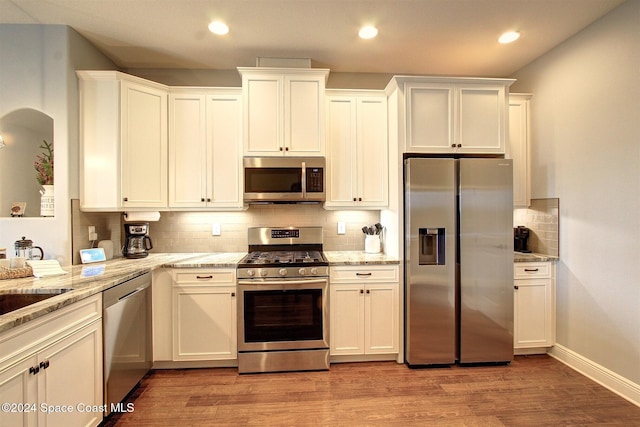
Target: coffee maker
(521, 239)
(137, 242)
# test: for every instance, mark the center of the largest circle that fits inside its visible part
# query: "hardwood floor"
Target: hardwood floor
(531, 391)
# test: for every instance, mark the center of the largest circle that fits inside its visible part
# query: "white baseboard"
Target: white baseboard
(603, 376)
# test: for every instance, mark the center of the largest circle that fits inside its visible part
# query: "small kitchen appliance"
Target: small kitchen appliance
(137, 242)
(283, 301)
(521, 239)
(26, 249)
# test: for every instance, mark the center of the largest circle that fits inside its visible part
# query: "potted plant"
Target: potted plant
(44, 176)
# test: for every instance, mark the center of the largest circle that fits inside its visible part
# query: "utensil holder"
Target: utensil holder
(372, 243)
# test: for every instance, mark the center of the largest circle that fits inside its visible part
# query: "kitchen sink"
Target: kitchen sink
(16, 299)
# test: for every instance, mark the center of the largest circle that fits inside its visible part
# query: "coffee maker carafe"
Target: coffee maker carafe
(137, 241)
(521, 239)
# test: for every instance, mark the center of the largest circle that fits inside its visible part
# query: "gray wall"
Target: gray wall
(37, 71)
(585, 115)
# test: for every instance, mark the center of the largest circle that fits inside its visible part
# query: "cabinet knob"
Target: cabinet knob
(280, 148)
(368, 291)
(515, 287)
(233, 294)
(202, 199)
(354, 199)
(362, 291)
(453, 145)
(44, 365)
(126, 199)
(208, 199)
(459, 145)
(286, 149)
(359, 199)
(34, 370)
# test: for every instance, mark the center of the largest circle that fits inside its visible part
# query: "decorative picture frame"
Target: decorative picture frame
(18, 208)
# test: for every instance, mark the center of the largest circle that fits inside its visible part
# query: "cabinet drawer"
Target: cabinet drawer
(351, 274)
(205, 277)
(525, 270)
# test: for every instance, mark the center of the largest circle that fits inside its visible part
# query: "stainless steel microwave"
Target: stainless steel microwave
(284, 179)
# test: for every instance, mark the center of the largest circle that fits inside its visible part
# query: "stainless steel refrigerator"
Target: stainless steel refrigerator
(458, 261)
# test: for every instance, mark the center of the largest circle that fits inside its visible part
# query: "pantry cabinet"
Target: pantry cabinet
(194, 317)
(205, 148)
(54, 362)
(123, 142)
(357, 150)
(518, 148)
(439, 115)
(364, 311)
(534, 306)
(283, 111)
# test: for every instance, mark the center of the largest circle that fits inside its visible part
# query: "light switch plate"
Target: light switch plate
(342, 228)
(215, 229)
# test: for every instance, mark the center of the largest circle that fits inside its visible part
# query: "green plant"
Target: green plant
(44, 165)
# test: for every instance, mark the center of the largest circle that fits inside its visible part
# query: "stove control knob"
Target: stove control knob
(250, 273)
(282, 272)
(302, 271)
(263, 272)
(314, 271)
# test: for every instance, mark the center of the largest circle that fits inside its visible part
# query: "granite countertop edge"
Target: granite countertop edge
(119, 270)
(533, 257)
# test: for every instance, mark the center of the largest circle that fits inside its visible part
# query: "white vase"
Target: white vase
(47, 201)
(372, 243)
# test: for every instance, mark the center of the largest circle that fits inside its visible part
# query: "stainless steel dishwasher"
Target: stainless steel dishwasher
(126, 311)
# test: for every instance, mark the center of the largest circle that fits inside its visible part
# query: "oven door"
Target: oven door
(283, 314)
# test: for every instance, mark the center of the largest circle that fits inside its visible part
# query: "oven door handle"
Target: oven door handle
(281, 282)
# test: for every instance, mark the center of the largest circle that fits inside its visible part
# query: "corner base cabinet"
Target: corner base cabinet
(534, 307)
(364, 310)
(51, 368)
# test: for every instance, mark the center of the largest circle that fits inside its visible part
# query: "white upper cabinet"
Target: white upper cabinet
(452, 115)
(284, 111)
(357, 149)
(123, 142)
(518, 148)
(205, 148)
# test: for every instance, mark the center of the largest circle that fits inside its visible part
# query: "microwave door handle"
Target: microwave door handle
(304, 180)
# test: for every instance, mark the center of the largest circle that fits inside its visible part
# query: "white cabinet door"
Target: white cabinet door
(187, 150)
(357, 159)
(72, 375)
(453, 115)
(372, 142)
(532, 316)
(381, 318)
(430, 121)
(18, 385)
(518, 148)
(224, 147)
(123, 142)
(284, 112)
(204, 326)
(482, 111)
(205, 157)
(144, 146)
(347, 319)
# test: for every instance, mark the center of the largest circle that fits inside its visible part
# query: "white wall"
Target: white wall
(585, 115)
(37, 71)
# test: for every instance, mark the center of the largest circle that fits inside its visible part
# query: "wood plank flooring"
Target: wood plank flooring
(531, 391)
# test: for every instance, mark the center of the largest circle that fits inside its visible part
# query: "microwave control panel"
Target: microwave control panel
(315, 180)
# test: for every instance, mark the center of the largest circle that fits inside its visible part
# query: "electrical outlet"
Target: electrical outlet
(92, 233)
(342, 228)
(215, 229)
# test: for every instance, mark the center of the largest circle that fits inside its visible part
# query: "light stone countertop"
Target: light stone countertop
(81, 286)
(358, 258)
(531, 257)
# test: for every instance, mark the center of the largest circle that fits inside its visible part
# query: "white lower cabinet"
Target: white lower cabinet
(534, 307)
(363, 303)
(51, 368)
(195, 316)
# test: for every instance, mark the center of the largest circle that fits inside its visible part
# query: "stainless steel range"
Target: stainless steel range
(283, 304)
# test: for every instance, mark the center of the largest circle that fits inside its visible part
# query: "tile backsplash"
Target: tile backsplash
(543, 219)
(191, 231)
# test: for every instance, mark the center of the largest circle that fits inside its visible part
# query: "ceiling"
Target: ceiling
(436, 37)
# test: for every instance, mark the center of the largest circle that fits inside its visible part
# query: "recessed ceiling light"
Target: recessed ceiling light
(368, 32)
(219, 28)
(509, 36)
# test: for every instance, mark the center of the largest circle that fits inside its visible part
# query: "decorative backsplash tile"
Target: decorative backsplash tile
(543, 219)
(191, 231)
